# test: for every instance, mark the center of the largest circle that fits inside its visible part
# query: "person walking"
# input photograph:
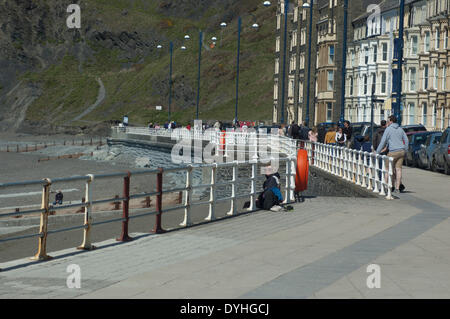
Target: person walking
(304, 130)
(379, 135)
(397, 141)
(348, 131)
(321, 133)
(340, 137)
(330, 137)
(313, 134)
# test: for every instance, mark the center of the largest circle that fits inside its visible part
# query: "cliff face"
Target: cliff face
(116, 38)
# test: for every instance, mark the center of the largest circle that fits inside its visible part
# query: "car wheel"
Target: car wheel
(414, 162)
(433, 165)
(447, 169)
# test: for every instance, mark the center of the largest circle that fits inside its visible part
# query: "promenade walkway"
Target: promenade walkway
(319, 250)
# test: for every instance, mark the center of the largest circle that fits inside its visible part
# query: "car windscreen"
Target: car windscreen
(356, 130)
(420, 139)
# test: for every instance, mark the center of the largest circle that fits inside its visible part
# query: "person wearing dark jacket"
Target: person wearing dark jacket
(348, 131)
(271, 195)
(321, 134)
(379, 135)
(58, 198)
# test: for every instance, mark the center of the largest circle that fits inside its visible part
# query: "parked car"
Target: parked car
(413, 128)
(427, 149)
(416, 140)
(327, 125)
(441, 155)
(361, 130)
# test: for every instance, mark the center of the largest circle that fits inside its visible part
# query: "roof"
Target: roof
(385, 5)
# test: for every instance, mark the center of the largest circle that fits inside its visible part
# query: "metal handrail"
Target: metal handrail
(189, 202)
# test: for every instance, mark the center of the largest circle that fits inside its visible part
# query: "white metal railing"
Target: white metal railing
(368, 170)
(224, 139)
(188, 204)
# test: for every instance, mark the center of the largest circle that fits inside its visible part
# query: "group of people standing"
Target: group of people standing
(335, 135)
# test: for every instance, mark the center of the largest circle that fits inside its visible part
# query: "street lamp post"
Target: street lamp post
(283, 81)
(310, 7)
(170, 77)
(237, 70)
(398, 102)
(344, 62)
(199, 68)
(255, 26)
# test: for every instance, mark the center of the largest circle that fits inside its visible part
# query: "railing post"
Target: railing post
(125, 209)
(363, 168)
(389, 186)
(370, 180)
(384, 178)
(212, 196)
(377, 174)
(86, 245)
(159, 188)
(188, 198)
(42, 248)
(233, 190)
(253, 186)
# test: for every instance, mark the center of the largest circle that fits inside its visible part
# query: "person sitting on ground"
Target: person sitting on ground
(330, 137)
(58, 198)
(271, 196)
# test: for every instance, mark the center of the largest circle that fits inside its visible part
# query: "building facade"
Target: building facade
(425, 85)
(327, 34)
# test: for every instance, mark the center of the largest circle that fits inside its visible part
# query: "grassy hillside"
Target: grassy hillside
(135, 85)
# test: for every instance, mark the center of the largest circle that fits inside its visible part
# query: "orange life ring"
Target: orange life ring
(302, 171)
(222, 141)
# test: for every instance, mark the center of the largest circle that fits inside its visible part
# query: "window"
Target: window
(374, 83)
(438, 39)
(366, 55)
(375, 53)
(414, 43)
(351, 86)
(383, 82)
(364, 112)
(412, 79)
(277, 45)
(444, 78)
(275, 91)
(446, 39)
(330, 80)
(433, 122)
(291, 89)
(385, 51)
(353, 58)
(424, 113)
(300, 92)
(427, 42)
(331, 54)
(411, 113)
(365, 84)
(277, 66)
(329, 111)
(435, 77)
(425, 77)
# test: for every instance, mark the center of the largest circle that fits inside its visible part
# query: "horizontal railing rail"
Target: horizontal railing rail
(368, 170)
(188, 203)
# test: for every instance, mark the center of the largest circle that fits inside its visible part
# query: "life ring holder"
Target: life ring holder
(302, 171)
